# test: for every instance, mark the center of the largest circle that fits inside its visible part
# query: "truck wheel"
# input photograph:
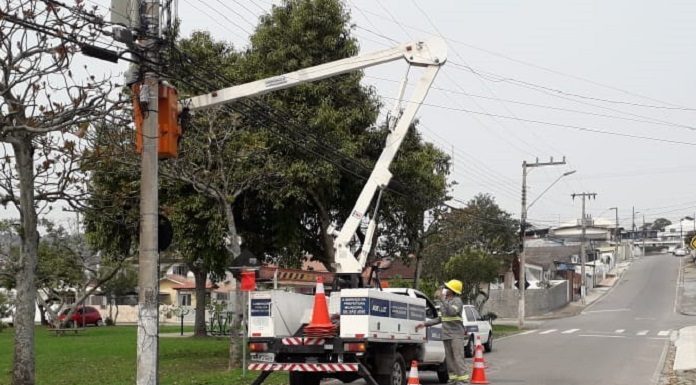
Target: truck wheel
(488, 346)
(469, 348)
(304, 378)
(397, 373)
(442, 373)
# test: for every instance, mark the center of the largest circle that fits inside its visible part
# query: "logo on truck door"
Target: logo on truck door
(379, 307)
(260, 307)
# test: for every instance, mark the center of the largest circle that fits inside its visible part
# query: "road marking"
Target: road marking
(523, 333)
(642, 332)
(606, 310)
(645, 318)
(600, 335)
(548, 331)
(663, 333)
(619, 330)
(570, 331)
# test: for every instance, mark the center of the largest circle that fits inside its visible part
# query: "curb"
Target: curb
(680, 291)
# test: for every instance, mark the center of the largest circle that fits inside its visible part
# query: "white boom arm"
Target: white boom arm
(431, 55)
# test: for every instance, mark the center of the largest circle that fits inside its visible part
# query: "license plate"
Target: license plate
(263, 357)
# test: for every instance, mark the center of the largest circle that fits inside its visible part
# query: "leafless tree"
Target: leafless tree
(45, 105)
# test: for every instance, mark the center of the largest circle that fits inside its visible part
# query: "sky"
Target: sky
(607, 84)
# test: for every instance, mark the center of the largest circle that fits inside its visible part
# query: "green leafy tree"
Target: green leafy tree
(481, 226)
(123, 283)
(660, 223)
(474, 268)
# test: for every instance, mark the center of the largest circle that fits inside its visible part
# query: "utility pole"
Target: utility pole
(148, 264)
(616, 234)
(522, 281)
(644, 234)
(583, 252)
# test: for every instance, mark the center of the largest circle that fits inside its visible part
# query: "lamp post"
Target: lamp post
(522, 281)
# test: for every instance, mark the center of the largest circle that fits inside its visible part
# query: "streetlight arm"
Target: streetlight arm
(548, 188)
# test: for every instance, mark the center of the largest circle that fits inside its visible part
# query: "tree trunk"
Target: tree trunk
(23, 366)
(327, 239)
(201, 277)
(42, 313)
(231, 229)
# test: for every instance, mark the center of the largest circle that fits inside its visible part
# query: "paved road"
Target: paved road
(620, 339)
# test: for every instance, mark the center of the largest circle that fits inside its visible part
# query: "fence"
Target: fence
(504, 302)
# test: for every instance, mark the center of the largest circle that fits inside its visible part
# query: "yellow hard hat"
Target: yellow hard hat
(455, 285)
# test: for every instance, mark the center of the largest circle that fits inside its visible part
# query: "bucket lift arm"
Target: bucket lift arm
(431, 55)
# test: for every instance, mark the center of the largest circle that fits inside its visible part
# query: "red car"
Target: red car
(83, 316)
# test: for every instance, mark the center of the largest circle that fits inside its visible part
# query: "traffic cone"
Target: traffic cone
(320, 325)
(413, 375)
(478, 376)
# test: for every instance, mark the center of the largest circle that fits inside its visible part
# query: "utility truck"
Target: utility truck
(376, 335)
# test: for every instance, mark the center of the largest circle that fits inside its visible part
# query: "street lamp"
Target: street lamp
(551, 185)
(522, 281)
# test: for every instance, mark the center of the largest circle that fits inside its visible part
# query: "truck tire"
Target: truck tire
(304, 378)
(397, 374)
(488, 346)
(442, 373)
(470, 347)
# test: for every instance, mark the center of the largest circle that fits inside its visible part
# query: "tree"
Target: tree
(481, 226)
(660, 223)
(122, 284)
(41, 102)
(472, 267)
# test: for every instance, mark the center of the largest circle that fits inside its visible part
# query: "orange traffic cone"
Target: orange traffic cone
(321, 325)
(413, 375)
(478, 376)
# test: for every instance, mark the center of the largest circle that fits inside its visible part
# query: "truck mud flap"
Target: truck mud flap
(305, 367)
(360, 368)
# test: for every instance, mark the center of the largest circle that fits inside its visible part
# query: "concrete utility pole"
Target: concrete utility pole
(616, 234)
(523, 225)
(644, 234)
(148, 306)
(633, 227)
(583, 252)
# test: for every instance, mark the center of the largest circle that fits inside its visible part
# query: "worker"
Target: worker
(453, 331)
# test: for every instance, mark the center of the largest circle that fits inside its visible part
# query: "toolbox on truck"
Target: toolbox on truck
(379, 316)
(278, 313)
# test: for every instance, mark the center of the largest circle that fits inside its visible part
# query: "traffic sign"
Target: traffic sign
(693, 242)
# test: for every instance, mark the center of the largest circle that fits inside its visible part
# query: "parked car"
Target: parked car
(86, 315)
(680, 252)
(8, 317)
(476, 326)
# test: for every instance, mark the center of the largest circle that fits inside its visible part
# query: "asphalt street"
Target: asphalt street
(620, 339)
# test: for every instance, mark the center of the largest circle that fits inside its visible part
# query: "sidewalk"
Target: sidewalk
(680, 368)
(687, 287)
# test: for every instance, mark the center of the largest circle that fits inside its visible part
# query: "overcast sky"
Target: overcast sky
(608, 84)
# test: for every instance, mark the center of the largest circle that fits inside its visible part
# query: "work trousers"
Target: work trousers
(454, 353)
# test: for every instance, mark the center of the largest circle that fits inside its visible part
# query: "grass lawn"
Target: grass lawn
(106, 356)
(505, 330)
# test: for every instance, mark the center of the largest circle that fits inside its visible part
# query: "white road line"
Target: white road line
(663, 333)
(570, 331)
(606, 310)
(619, 330)
(642, 332)
(600, 335)
(548, 331)
(523, 333)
